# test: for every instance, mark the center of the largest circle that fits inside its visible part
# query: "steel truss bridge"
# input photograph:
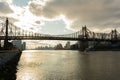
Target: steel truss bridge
(11, 32)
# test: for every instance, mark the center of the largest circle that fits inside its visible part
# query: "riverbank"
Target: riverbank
(8, 62)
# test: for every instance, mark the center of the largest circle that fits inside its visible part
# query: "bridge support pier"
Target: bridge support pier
(115, 45)
(83, 45)
(0, 44)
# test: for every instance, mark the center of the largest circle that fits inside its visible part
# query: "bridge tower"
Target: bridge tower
(84, 32)
(114, 35)
(83, 44)
(114, 38)
(6, 34)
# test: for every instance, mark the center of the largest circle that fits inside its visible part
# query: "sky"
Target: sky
(62, 16)
(29, 14)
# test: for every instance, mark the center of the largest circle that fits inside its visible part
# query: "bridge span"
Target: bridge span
(8, 31)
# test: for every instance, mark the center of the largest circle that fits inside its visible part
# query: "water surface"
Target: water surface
(68, 65)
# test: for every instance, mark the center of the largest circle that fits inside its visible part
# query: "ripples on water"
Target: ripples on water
(68, 65)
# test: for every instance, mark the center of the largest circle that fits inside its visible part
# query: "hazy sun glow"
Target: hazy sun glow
(25, 19)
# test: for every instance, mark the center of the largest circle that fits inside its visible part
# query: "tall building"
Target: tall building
(24, 46)
(17, 43)
(67, 46)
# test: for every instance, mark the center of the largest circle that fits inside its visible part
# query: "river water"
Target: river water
(68, 65)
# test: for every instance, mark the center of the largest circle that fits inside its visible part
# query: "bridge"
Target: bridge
(8, 31)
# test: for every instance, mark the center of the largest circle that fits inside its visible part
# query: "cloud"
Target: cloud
(95, 13)
(38, 22)
(5, 8)
(35, 8)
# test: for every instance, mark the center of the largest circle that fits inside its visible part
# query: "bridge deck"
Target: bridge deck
(55, 38)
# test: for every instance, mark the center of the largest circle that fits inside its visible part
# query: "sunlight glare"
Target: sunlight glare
(28, 57)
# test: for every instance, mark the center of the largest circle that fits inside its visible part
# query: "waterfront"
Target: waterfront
(8, 64)
(68, 65)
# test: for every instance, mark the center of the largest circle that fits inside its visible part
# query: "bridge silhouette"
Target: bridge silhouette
(8, 31)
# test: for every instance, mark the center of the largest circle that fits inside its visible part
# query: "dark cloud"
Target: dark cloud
(99, 13)
(38, 22)
(5, 8)
(35, 8)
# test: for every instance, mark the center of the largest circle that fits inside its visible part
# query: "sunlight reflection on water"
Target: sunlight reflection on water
(68, 65)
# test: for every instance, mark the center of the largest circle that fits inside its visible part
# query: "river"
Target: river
(68, 65)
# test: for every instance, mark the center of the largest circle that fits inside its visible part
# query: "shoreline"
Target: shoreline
(8, 64)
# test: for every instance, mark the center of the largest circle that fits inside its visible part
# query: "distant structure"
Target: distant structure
(24, 46)
(44, 48)
(67, 46)
(58, 47)
(74, 46)
(18, 44)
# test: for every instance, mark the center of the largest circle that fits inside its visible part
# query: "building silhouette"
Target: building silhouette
(67, 46)
(17, 44)
(24, 46)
